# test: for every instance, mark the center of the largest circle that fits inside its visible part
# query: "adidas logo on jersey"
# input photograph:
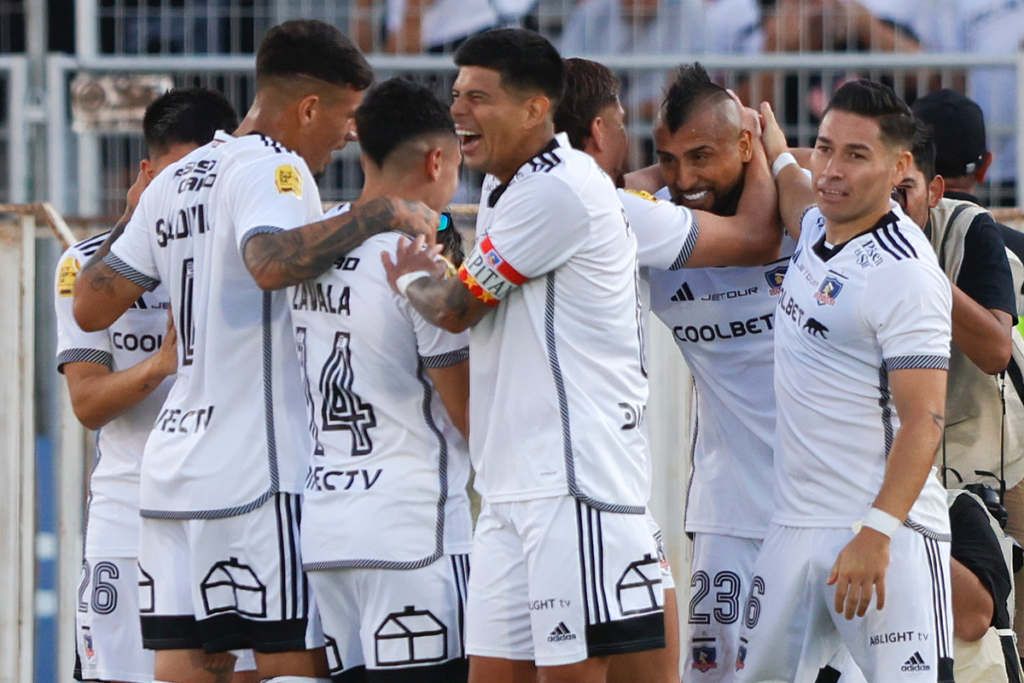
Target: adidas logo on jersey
(561, 633)
(683, 294)
(915, 663)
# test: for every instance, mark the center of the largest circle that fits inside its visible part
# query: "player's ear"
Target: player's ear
(147, 167)
(746, 145)
(936, 188)
(537, 109)
(596, 138)
(433, 161)
(307, 108)
(903, 161)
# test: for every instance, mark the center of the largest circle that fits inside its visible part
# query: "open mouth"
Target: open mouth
(468, 140)
(831, 194)
(695, 196)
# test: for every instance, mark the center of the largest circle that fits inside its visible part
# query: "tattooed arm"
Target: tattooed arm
(447, 304)
(282, 259)
(102, 295)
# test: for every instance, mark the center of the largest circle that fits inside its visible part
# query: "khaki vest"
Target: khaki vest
(974, 411)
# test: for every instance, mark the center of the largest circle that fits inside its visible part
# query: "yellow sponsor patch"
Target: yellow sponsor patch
(643, 195)
(67, 275)
(288, 179)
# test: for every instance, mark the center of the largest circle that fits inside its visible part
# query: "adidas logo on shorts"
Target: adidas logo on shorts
(561, 633)
(915, 663)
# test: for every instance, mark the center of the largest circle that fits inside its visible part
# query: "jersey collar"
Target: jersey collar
(826, 252)
(560, 140)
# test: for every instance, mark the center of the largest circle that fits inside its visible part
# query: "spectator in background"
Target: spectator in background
(733, 27)
(636, 27)
(437, 26)
(994, 27)
(818, 26)
(962, 156)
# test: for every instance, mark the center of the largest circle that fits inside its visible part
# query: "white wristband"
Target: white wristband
(403, 281)
(880, 521)
(782, 161)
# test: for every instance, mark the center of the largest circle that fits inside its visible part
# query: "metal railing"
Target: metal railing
(102, 167)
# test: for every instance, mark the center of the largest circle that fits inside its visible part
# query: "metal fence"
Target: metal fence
(86, 174)
(90, 173)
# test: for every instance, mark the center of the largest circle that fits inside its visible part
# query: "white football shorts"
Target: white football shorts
(719, 584)
(406, 624)
(227, 584)
(108, 637)
(557, 582)
(791, 627)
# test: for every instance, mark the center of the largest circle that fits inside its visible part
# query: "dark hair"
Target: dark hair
(525, 60)
(691, 88)
(451, 239)
(877, 101)
(312, 48)
(924, 149)
(186, 115)
(589, 88)
(395, 112)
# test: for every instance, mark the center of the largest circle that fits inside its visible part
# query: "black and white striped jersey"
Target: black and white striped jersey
(387, 476)
(113, 527)
(233, 429)
(847, 316)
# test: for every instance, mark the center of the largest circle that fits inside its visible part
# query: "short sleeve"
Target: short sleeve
(985, 273)
(540, 226)
(73, 344)
(438, 348)
(131, 255)
(665, 233)
(274, 193)
(535, 229)
(909, 306)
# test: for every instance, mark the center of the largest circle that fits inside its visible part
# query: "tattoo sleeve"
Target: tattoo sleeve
(286, 258)
(446, 303)
(939, 420)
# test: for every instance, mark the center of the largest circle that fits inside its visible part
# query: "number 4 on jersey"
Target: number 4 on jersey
(342, 408)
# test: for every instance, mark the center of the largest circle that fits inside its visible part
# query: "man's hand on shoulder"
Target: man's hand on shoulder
(859, 570)
(416, 219)
(413, 256)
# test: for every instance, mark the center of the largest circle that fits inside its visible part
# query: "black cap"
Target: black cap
(958, 128)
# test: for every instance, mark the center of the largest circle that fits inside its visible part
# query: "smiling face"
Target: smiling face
(704, 160)
(331, 125)
(496, 125)
(854, 171)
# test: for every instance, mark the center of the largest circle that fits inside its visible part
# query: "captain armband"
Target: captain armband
(487, 275)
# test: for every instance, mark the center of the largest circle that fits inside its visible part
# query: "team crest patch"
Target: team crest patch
(705, 654)
(643, 195)
(287, 179)
(67, 275)
(775, 276)
(828, 291)
(741, 657)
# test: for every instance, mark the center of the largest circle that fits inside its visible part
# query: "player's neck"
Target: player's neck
(841, 232)
(529, 147)
(268, 121)
(375, 186)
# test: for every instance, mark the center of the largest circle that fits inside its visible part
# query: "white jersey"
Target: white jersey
(233, 431)
(558, 388)
(723, 322)
(385, 452)
(847, 316)
(113, 524)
